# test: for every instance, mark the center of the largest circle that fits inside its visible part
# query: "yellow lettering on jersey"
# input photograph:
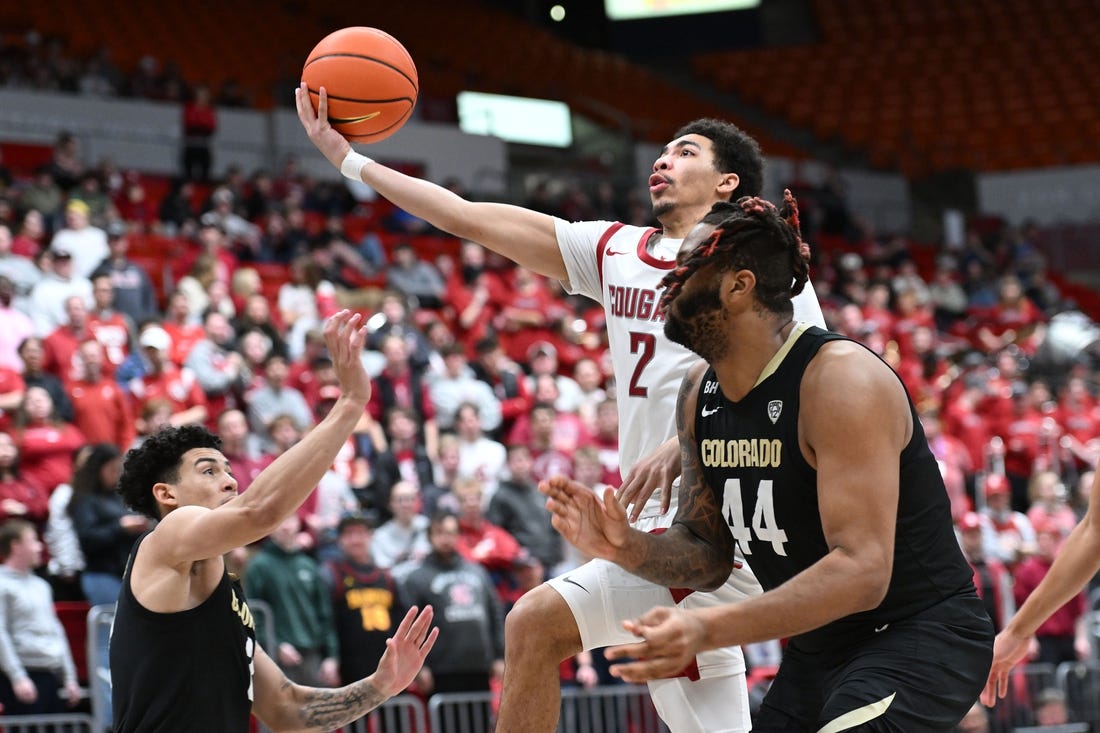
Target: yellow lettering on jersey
(744, 453)
(363, 597)
(241, 609)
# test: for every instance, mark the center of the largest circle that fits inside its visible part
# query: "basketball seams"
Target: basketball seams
(315, 93)
(375, 59)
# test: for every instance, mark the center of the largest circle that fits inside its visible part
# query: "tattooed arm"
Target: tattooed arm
(285, 706)
(695, 552)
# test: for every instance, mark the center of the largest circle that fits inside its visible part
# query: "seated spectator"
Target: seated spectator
(46, 302)
(19, 499)
(493, 367)
(404, 538)
(991, 577)
(33, 354)
(539, 436)
(241, 448)
(587, 375)
(605, 439)
(568, 430)
(61, 344)
(256, 316)
(1015, 537)
(481, 541)
(46, 443)
(518, 508)
(1013, 320)
(414, 277)
(529, 314)
(395, 308)
(274, 397)
(182, 326)
(297, 304)
(480, 458)
(105, 527)
(112, 328)
(1049, 503)
(12, 390)
(399, 385)
(30, 240)
(458, 385)
(17, 276)
(87, 243)
(543, 360)
(220, 371)
(164, 380)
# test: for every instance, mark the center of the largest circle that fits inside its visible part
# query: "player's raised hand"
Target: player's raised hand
(331, 143)
(405, 652)
(656, 471)
(670, 639)
(1008, 650)
(344, 337)
(595, 525)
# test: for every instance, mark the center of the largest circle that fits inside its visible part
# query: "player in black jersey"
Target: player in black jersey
(803, 449)
(183, 646)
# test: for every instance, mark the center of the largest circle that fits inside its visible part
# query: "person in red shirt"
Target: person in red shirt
(101, 408)
(19, 499)
(165, 380)
(479, 540)
(108, 326)
(963, 419)
(529, 314)
(61, 345)
(1013, 320)
(399, 386)
(1058, 637)
(245, 460)
(952, 457)
(12, 390)
(508, 381)
(181, 328)
(46, 444)
(200, 122)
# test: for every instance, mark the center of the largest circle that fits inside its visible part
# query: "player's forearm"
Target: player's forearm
(676, 558)
(324, 709)
(1077, 562)
(432, 203)
(834, 587)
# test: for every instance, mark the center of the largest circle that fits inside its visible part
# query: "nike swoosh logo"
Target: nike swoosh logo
(353, 120)
(567, 579)
(708, 412)
(612, 253)
(880, 629)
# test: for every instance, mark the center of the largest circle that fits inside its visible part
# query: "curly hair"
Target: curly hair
(749, 235)
(158, 460)
(735, 151)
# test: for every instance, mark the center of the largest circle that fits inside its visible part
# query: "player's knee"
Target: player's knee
(541, 620)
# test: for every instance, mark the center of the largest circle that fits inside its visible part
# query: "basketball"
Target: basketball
(370, 79)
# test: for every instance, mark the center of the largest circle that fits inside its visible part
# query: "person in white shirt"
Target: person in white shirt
(87, 243)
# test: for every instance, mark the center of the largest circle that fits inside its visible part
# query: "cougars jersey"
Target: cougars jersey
(620, 266)
(768, 492)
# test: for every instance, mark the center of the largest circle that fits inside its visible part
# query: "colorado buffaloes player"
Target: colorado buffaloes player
(183, 646)
(802, 449)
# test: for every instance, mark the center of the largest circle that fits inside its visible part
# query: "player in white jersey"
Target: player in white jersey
(620, 266)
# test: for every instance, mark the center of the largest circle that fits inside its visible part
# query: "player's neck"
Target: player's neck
(678, 222)
(751, 350)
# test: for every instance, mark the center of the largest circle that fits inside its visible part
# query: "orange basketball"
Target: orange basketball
(370, 80)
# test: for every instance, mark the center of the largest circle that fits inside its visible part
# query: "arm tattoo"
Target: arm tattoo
(325, 709)
(697, 550)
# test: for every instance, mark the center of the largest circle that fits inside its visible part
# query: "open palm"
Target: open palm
(406, 651)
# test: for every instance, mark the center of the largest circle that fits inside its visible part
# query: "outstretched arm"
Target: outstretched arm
(285, 706)
(191, 533)
(1077, 562)
(696, 551)
(523, 236)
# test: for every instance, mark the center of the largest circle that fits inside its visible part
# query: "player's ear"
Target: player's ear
(165, 494)
(727, 184)
(737, 285)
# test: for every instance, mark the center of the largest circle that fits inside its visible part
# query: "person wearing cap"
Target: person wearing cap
(135, 294)
(366, 601)
(163, 379)
(87, 243)
(46, 302)
(991, 577)
(1063, 634)
(1013, 533)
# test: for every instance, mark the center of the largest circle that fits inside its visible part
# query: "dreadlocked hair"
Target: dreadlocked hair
(158, 460)
(748, 235)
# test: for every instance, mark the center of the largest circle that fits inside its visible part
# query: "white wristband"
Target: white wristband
(352, 167)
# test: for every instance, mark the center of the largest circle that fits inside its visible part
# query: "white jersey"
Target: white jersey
(614, 265)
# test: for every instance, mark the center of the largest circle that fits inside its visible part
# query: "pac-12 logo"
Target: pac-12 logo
(775, 409)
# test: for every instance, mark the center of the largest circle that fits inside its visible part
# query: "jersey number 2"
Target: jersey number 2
(763, 517)
(646, 344)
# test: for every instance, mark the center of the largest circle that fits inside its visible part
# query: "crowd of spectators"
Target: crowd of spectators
(487, 378)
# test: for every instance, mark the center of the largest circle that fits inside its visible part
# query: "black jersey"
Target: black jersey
(751, 458)
(366, 611)
(185, 671)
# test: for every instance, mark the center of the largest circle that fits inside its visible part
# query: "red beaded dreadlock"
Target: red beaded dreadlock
(750, 232)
